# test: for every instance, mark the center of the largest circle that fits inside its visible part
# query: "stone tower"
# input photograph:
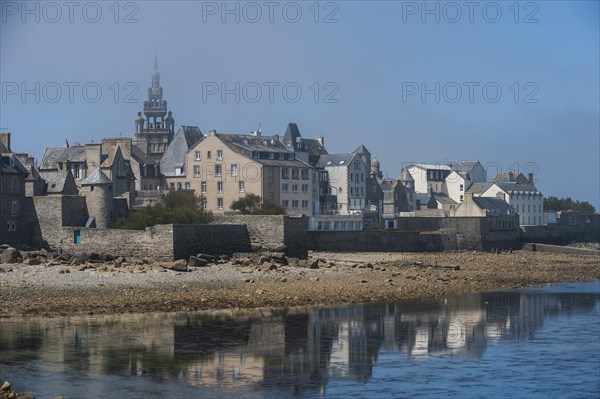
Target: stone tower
(376, 169)
(154, 133)
(98, 192)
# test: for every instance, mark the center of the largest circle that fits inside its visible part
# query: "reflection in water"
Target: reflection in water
(296, 350)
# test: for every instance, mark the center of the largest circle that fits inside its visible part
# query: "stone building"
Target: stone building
(174, 160)
(97, 189)
(13, 227)
(226, 167)
(306, 150)
(153, 134)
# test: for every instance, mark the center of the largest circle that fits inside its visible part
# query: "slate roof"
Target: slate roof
(174, 156)
(292, 137)
(141, 157)
(491, 203)
(434, 166)
(55, 181)
(237, 142)
(479, 188)
(314, 147)
(335, 160)
(464, 167)
(10, 170)
(517, 187)
(3, 148)
(444, 199)
(362, 150)
(96, 178)
(52, 156)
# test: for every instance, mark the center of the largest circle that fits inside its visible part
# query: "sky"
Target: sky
(515, 85)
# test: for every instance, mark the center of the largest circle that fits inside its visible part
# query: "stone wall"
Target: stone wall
(560, 234)
(210, 239)
(154, 243)
(52, 212)
(160, 243)
(437, 234)
(268, 232)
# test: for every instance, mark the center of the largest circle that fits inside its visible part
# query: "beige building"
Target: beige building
(226, 167)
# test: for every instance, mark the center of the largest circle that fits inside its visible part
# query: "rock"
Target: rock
(180, 266)
(363, 281)
(207, 258)
(63, 271)
(281, 259)
(256, 247)
(5, 269)
(280, 248)
(259, 291)
(5, 386)
(158, 269)
(266, 266)
(10, 255)
(246, 270)
(197, 262)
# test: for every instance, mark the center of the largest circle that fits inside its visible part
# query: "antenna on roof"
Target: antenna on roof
(259, 128)
(66, 143)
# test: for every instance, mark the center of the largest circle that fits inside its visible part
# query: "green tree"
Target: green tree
(253, 204)
(176, 208)
(567, 204)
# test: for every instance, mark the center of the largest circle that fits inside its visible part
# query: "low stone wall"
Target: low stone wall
(268, 232)
(559, 234)
(159, 243)
(437, 234)
(558, 249)
(211, 239)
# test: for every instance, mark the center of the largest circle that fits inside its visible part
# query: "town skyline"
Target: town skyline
(380, 112)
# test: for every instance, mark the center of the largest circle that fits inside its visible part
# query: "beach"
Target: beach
(249, 281)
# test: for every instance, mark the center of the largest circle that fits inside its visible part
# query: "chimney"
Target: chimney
(321, 140)
(5, 139)
(276, 137)
(212, 133)
(255, 133)
(530, 177)
(93, 156)
(511, 176)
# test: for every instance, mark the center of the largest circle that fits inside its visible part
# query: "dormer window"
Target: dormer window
(281, 155)
(219, 155)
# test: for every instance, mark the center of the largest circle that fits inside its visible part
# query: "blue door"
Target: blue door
(77, 236)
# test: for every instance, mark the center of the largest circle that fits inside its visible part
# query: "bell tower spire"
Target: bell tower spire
(160, 128)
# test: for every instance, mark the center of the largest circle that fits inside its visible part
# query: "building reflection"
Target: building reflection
(295, 350)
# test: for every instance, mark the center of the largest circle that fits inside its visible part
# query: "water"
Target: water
(530, 343)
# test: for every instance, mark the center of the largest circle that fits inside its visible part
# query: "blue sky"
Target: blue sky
(369, 62)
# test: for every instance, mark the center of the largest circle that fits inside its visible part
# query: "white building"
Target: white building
(452, 179)
(347, 179)
(520, 192)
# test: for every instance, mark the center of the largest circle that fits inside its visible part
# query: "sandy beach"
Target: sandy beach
(96, 288)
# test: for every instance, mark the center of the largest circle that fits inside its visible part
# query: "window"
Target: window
(285, 173)
(197, 156)
(208, 155)
(178, 171)
(304, 204)
(218, 169)
(281, 155)
(171, 186)
(295, 204)
(14, 207)
(234, 169)
(241, 186)
(204, 204)
(219, 155)
(11, 226)
(294, 188)
(295, 174)
(179, 186)
(219, 186)
(270, 185)
(220, 203)
(343, 225)
(196, 170)
(187, 185)
(255, 154)
(304, 173)
(462, 197)
(285, 187)
(203, 187)
(305, 188)
(462, 187)
(285, 203)
(356, 165)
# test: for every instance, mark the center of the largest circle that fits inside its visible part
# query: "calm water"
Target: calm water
(531, 343)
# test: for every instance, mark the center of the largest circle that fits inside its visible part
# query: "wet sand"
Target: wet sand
(343, 278)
